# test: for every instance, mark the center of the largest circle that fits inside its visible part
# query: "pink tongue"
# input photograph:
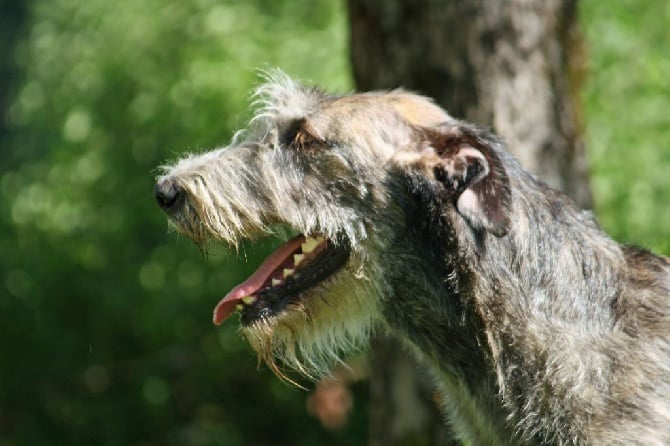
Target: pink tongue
(227, 305)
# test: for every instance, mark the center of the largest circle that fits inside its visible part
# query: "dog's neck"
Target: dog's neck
(549, 320)
(461, 303)
(431, 308)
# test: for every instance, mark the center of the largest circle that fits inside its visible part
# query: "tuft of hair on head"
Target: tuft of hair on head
(279, 95)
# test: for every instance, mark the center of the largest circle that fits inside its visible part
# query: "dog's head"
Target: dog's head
(324, 169)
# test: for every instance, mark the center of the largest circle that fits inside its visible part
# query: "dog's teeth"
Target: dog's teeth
(276, 282)
(248, 300)
(298, 258)
(239, 307)
(288, 272)
(310, 243)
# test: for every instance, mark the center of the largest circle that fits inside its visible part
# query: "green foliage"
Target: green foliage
(106, 334)
(627, 103)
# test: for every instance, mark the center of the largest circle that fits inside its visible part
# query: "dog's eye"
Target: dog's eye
(298, 136)
(304, 140)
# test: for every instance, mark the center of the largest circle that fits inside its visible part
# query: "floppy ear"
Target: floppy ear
(464, 161)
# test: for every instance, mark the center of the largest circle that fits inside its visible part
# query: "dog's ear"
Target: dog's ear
(463, 160)
(469, 167)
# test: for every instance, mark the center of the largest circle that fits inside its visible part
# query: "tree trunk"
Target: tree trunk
(404, 408)
(513, 65)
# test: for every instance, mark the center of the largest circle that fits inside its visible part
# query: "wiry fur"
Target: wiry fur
(539, 328)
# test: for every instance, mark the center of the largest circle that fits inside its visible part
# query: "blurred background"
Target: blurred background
(106, 334)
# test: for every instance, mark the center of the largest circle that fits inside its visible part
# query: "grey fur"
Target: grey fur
(539, 329)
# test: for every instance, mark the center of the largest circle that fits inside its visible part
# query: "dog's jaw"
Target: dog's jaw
(284, 279)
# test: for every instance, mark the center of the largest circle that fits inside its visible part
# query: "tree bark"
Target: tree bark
(513, 65)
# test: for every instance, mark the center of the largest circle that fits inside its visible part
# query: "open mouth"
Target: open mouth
(298, 265)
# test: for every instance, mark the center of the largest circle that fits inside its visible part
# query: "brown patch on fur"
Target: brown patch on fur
(418, 110)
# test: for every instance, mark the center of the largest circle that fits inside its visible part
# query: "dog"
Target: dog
(537, 327)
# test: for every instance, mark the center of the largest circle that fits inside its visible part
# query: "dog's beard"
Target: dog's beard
(313, 335)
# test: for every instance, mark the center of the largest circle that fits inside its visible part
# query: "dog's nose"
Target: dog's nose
(168, 195)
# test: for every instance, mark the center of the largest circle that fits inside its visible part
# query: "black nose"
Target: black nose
(168, 195)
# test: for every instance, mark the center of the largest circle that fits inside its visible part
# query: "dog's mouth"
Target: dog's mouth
(300, 264)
